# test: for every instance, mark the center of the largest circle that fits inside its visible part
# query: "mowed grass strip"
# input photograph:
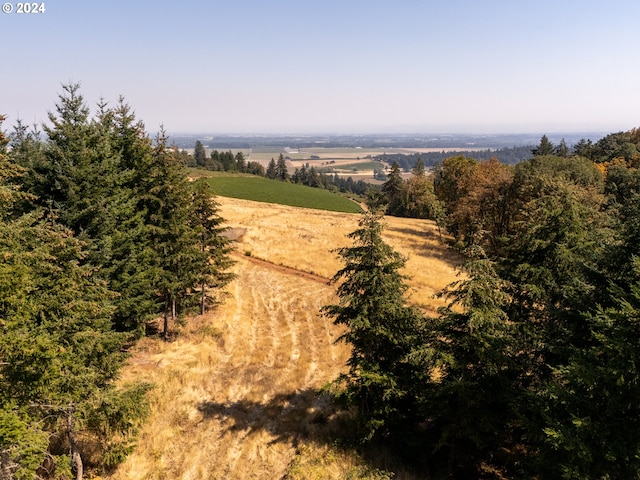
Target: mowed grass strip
(249, 187)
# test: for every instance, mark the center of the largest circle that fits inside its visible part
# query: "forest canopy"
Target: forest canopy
(531, 369)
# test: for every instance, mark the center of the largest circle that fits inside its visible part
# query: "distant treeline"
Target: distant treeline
(313, 177)
(507, 155)
(219, 161)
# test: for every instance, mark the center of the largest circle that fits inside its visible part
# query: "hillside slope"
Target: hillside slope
(236, 392)
(302, 239)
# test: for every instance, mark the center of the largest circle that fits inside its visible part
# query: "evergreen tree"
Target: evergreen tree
(301, 176)
(395, 191)
(172, 239)
(200, 155)
(58, 353)
(213, 271)
(313, 178)
(592, 420)
(473, 404)
(129, 201)
(272, 171)
(616, 145)
(589, 420)
(228, 161)
(418, 169)
(215, 162)
(61, 182)
(107, 233)
(241, 164)
(545, 147)
(256, 168)
(375, 200)
(584, 148)
(27, 150)
(128, 261)
(281, 172)
(183, 157)
(562, 150)
(552, 263)
(381, 329)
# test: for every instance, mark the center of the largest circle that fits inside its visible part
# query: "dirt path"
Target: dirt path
(283, 269)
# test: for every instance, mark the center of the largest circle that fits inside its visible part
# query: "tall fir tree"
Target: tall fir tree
(213, 272)
(129, 263)
(199, 155)
(281, 172)
(394, 189)
(172, 240)
(272, 171)
(58, 352)
(472, 406)
(382, 330)
(241, 163)
(545, 147)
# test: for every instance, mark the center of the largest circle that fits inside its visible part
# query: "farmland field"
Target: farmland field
(250, 187)
(357, 166)
(299, 156)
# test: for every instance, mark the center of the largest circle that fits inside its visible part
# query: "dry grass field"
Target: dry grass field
(302, 239)
(237, 391)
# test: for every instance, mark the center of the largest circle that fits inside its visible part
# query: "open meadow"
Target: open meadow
(237, 392)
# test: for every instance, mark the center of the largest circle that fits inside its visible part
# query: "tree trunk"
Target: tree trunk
(202, 299)
(76, 459)
(165, 332)
(7, 466)
(203, 245)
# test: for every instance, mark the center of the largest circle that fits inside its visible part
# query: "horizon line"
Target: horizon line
(382, 133)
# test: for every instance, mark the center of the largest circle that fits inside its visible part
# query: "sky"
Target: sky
(332, 66)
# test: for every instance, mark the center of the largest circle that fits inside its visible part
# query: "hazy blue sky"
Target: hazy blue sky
(280, 66)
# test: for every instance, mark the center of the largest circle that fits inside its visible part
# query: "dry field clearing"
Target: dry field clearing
(236, 393)
(302, 239)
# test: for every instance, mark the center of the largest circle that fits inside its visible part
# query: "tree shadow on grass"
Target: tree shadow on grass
(308, 414)
(426, 243)
(311, 416)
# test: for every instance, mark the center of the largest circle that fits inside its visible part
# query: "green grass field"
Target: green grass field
(249, 187)
(358, 166)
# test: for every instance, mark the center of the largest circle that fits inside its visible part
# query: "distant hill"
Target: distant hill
(466, 141)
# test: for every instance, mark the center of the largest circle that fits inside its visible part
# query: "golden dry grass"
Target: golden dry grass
(303, 239)
(236, 393)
